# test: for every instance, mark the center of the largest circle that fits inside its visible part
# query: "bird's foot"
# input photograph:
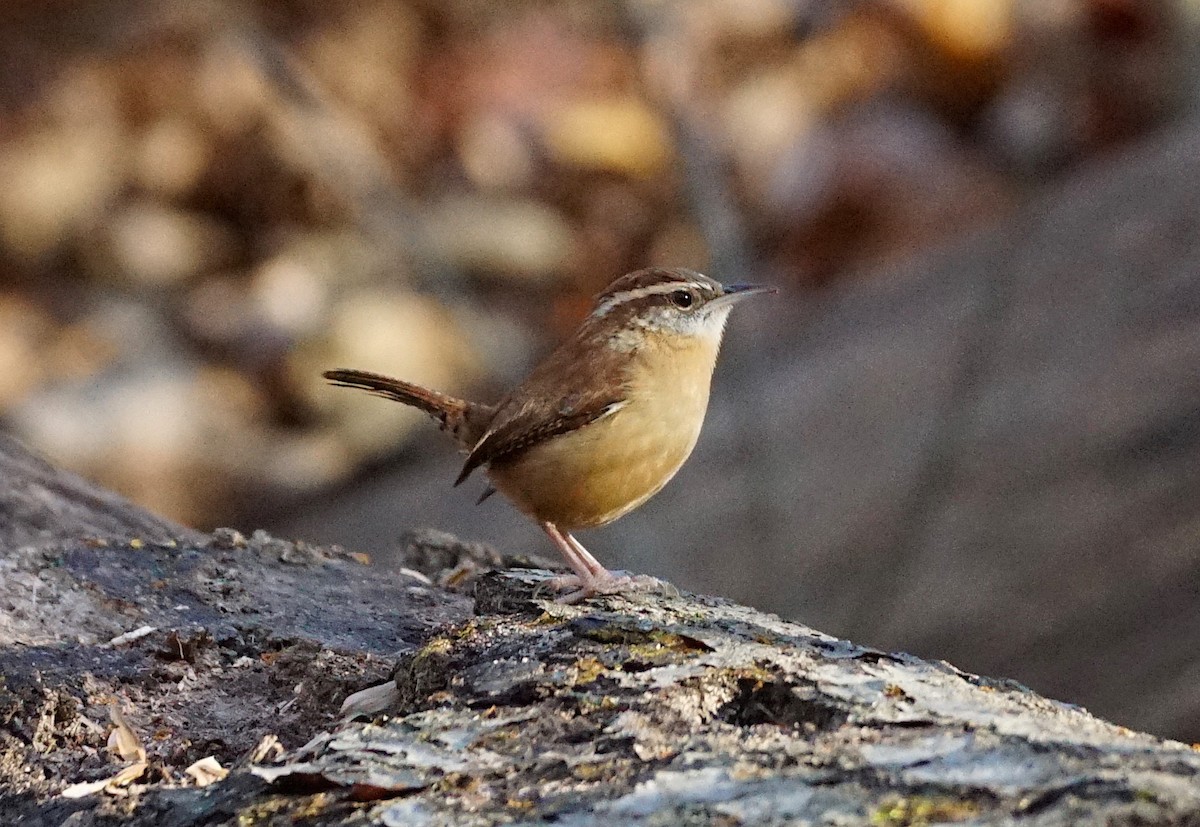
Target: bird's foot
(610, 582)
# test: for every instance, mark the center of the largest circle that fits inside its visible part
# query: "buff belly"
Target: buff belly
(604, 470)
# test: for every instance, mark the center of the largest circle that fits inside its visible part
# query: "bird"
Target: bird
(602, 423)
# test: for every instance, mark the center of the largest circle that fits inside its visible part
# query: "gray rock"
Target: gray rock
(508, 708)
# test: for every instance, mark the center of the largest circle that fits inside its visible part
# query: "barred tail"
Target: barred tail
(461, 419)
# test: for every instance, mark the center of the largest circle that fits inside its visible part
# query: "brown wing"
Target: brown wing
(576, 385)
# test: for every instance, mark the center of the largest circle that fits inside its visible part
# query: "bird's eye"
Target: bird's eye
(682, 298)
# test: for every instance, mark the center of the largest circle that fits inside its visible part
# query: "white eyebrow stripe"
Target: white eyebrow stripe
(640, 292)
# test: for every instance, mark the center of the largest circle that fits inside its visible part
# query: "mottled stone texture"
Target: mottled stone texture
(506, 708)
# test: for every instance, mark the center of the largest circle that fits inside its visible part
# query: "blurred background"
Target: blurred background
(967, 426)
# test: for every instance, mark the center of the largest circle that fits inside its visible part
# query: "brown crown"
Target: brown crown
(653, 276)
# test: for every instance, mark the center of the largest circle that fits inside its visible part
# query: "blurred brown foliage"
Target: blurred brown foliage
(204, 204)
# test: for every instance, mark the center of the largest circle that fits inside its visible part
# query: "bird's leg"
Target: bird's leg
(586, 567)
(594, 566)
(590, 575)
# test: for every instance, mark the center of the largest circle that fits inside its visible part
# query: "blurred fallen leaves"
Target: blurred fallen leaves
(202, 215)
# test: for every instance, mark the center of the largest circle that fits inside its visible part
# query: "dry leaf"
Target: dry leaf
(84, 789)
(206, 771)
(130, 637)
(128, 775)
(112, 784)
(622, 135)
(123, 740)
(268, 747)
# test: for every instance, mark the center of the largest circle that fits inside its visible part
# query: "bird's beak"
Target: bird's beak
(736, 292)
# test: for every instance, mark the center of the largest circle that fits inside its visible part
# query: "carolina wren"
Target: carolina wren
(604, 422)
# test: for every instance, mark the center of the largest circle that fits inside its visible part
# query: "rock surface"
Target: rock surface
(500, 708)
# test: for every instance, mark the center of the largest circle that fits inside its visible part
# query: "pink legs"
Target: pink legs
(588, 570)
(590, 576)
